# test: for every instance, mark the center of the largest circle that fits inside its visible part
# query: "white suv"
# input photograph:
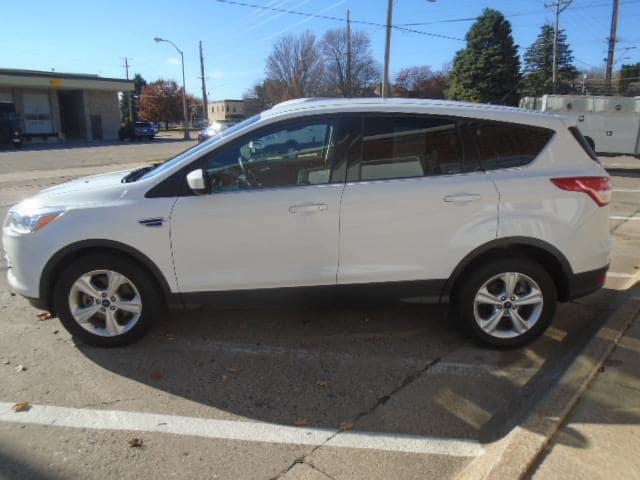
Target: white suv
(501, 210)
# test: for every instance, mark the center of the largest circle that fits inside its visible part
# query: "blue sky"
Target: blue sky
(94, 37)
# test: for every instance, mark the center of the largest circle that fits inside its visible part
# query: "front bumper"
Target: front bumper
(584, 283)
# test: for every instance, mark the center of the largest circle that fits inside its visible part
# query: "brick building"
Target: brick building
(64, 106)
(226, 110)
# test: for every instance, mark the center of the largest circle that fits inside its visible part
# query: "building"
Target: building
(613, 123)
(226, 110)
(64, 106)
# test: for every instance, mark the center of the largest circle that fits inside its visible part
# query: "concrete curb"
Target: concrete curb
(514, 455)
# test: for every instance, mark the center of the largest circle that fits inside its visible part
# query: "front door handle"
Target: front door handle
(307, 209)
(462, 197)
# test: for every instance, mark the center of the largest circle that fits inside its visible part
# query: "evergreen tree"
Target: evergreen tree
(138, 84)
(488, 68)
(538, 65)
(629, 79)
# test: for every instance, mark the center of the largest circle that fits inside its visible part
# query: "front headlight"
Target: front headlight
(30, 222)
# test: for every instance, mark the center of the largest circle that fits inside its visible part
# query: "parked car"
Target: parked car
(503, 212)
(212, 130)
(137, 131)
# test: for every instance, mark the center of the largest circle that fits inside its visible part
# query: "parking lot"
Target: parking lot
(362, 391)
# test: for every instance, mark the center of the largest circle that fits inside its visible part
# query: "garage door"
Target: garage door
(37, 113)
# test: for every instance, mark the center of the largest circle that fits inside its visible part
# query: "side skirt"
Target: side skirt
(419, 291)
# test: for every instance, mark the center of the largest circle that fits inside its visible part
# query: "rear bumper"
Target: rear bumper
(584, 283)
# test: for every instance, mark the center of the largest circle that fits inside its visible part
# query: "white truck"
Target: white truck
(613, 123)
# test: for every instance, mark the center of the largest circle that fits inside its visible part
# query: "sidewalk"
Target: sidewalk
(601, 437)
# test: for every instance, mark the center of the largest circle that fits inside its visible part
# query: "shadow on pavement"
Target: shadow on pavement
(395, 368)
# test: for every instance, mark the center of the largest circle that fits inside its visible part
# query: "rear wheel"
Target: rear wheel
(106, 300)
(506, 303)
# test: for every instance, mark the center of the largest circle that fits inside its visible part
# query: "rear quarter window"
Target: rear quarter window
(506, 145)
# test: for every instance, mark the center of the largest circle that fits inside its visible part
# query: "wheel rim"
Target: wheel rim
(508, 305)
(105, 303)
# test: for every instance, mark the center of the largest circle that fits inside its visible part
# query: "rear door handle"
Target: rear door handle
(306, 209)
(462, 197)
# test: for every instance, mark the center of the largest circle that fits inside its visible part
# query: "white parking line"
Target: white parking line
(620, 275)
(627, 190)
(616, 217)
(237, 430)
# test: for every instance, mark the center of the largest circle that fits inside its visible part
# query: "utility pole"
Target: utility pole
(612, 45)
(387, 53)
(205, 103)
(560, 6)
(349, 81)
(126, 66)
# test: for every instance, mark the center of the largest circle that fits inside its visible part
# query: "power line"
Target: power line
(335, 19)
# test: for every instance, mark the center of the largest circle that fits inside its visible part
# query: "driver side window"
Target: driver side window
(296, 153)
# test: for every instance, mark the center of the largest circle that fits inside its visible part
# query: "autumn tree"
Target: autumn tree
(161, 101)
(420, 82)
(296, 64)
(538, 65)
(488, 68)
(365, 70)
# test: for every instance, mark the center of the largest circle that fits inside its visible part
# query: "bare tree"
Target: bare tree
(263, 95)
(296, 64)
(421, 82)
(365, 71)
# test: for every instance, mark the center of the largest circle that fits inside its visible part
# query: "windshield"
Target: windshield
(197, 148)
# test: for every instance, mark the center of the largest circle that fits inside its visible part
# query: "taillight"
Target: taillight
(598, 188)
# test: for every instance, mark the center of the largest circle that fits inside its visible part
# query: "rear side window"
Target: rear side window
(408, 146)
(505, 145)
(584, 143)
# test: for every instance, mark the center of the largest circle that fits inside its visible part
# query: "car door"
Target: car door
(415, 202)
(271, 219)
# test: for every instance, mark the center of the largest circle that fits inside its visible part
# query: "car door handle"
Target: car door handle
(462, 197)
(310, 208)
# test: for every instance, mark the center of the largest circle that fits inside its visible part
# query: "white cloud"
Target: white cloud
(173, 61)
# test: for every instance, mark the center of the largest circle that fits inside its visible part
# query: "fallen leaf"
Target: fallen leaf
(601, 369)
(233, 369)
(346, 426)
(55, 332)
(301, 422)
(225, 378)
(21, 407)
(136, 443)
(156, 375)
(6, 362)
(262, 403)
(43, 315)
(20, 368)
(323, 383)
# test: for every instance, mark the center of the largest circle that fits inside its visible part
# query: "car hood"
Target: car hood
(96, 189)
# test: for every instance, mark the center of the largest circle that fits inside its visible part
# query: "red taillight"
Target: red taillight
(598, 188)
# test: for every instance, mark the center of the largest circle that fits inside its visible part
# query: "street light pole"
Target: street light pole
(184, 88)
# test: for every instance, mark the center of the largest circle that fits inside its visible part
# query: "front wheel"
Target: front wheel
(506, 303)
(106, 300)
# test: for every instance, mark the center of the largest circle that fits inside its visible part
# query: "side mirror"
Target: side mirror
(196, 181)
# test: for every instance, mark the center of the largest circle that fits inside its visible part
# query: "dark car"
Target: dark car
(137, 131)
(10, 126)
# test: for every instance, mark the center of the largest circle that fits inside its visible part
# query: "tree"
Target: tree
(538, 65)
(629, 79)
(421, 82)
(263, 95)
(365, 71)
(161, 101)
(138, 84)
(488, 68)
(296, 64)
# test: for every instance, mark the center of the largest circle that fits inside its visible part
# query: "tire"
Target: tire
(491, 318)
(137, 292)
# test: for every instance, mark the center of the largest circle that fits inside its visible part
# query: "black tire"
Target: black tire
(141, 278)
(468, 286)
